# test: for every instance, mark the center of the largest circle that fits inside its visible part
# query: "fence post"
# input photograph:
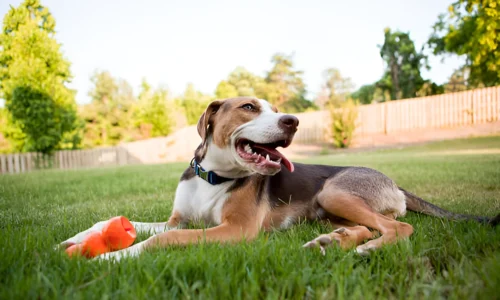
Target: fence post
(3, 163)
(17, 168)
(23, 165)
(10, 163)
(78, 158)
(471, 103)
(59, 157)
(28, 162)
(386, 117)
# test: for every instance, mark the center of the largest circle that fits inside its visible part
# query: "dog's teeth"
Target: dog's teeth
(267, 157)
(248, 149)
(279, 160)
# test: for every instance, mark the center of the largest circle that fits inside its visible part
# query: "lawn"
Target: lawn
(443, 259)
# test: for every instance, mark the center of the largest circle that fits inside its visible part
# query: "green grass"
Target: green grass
(443, 259)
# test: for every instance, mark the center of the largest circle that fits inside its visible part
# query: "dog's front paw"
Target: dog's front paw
(116, 256)
(110, 256)
(79, 237)
(64, 245)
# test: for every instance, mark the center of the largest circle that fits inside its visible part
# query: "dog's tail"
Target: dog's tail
(417, 204)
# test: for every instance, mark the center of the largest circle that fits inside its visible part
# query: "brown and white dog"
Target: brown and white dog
(240, 184)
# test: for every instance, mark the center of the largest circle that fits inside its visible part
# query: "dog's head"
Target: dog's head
(240, 137)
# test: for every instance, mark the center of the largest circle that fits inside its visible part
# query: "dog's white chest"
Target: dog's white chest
(197, 200)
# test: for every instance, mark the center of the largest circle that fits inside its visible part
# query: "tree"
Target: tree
(471, 29)
(285, 87)
(33, 78)
(241, 83)
(365, 94)
(41, 119)
(9, 133)
(109, 116)
(246, 83)
(225, 90)
(457, 81)
(194, 104)
(336, 88)
(343, 116)
(336, 98)
(430, 88)
(125, 93)
(402, 76)
(105, 88)
(152, 115)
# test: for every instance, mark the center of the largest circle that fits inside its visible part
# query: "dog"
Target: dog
(238, 183)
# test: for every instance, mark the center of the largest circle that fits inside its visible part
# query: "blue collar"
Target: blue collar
(208, 176)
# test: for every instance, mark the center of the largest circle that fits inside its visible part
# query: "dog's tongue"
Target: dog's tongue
(284, 161)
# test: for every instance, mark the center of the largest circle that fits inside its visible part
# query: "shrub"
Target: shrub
(343, 122)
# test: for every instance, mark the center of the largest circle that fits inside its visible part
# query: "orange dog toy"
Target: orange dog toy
(118, 233)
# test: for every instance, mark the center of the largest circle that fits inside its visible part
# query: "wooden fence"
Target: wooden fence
(67, 159)
(441, 111)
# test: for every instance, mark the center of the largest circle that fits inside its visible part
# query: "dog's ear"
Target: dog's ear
(206, 120)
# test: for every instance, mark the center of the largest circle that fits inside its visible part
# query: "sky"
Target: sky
(172, 42)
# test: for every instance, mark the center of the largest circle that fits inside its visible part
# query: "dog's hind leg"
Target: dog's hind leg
(355, 209)
(345, 237)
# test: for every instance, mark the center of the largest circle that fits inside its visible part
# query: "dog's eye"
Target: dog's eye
(248, 106)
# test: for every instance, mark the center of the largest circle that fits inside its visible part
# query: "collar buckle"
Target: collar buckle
(208, 176)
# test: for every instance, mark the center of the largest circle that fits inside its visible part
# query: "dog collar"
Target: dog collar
(208, 176)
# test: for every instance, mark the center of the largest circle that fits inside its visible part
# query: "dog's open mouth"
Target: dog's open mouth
(264, 155)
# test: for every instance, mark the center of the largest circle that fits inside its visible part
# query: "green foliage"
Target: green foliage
(457, 82)
(194, 104)
(364, 94)
(115, 116)
(336, 89)
(471, 28)
(343, 117)
(12, 136)
(402, 78)
(7, 129)
(430, 88)
(105, 88)
(33, 76)
(403, 63)
(225, 90)
(108, 118)
(40, 118)
(152, 114)
(285, 87)
(241, 83)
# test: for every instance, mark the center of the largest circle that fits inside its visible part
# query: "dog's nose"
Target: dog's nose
(289, 123)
